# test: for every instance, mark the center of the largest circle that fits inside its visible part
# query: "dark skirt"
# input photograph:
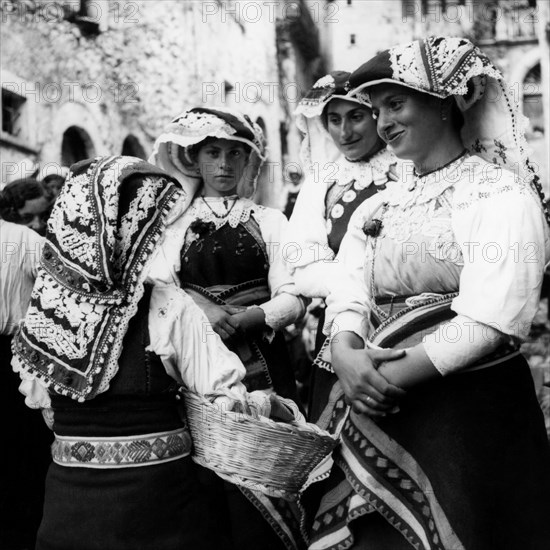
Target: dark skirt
(156, 507)
(26, 440)
(235, 521)
(464, 464)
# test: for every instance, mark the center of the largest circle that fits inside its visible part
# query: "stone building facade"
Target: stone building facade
(84, 78)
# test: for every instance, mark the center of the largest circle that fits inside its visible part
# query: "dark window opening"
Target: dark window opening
(12, 105)
(131, 147)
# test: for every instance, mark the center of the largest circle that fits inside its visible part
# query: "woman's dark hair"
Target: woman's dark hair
(457, 118)
(324, 113)
(15, 194)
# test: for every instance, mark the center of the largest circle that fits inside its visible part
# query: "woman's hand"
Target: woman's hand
(251, 319)
(221, 318)
(366, 390)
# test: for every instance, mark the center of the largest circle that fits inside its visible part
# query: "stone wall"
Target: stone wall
(150, 60)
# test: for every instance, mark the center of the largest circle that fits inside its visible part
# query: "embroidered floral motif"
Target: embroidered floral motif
(83, 300)
(200, 228)
(500, 151)
(478, 147)
(326, 81)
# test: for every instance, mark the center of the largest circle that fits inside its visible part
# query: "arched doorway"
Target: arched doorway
(132, 147)
(76, 146)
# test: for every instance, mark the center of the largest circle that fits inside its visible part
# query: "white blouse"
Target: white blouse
(470, 227)
(20, 251)
(307, 252)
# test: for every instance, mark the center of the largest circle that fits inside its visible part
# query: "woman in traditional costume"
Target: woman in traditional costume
(122, 475)
(226, 252)
(345, 162)
(444, 446)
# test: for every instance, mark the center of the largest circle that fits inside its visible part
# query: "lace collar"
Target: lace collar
(414, 189)
(230, 210)
(364, 173)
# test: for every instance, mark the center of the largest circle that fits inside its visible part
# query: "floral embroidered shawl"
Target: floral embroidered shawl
(101, 234)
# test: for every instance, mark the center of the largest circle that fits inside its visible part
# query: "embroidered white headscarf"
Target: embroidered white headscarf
(494, 127)
(171, 149)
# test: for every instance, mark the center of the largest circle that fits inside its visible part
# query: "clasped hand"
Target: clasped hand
(366, 390)
(228, 320)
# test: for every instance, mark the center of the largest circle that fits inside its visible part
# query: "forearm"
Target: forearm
(412, 369)
(283, 310)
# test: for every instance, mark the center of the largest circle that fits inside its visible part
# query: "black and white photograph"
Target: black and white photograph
(275, 274)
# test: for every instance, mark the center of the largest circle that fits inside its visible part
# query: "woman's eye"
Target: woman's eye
(358, 117)
(236, 154)
(334, 121)
(394, 105)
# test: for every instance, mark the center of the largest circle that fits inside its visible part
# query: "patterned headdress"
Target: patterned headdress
(171, 150)
(317, 145)
(445, 67)
(101, 234)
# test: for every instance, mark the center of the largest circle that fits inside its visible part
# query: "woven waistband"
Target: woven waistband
(121, 452)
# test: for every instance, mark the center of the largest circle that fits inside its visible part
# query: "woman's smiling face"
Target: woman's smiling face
(352, 129)
(222, 163)
(408, 121)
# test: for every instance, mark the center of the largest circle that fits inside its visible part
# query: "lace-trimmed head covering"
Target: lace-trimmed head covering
(317, 145)
(445, 67)
(172, 148)
(101, 234)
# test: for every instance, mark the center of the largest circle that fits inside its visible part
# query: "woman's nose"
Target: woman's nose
(383, 123)
(224, 160)
(345, 129)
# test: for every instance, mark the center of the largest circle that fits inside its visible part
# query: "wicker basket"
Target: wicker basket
(275, 458)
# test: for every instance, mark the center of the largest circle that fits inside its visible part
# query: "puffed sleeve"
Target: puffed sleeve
(348, 302)
(309, 258)
(505, 243)
(285, 306)
(504, 240)
(165, 263)
(191, 352)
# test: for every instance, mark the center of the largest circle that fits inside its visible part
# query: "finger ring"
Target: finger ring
(369, 399)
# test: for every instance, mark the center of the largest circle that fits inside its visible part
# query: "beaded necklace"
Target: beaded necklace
(220, 216)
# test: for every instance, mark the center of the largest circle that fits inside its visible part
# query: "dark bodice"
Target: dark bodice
(341, 202)
(228, 256)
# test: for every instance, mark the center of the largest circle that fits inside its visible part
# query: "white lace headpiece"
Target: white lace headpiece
(171, 149)
(317, 145)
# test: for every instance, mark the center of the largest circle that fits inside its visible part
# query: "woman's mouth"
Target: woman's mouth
(393, 137)
(350, 143)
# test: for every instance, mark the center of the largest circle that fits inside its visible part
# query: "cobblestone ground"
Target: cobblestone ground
(537, 351)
